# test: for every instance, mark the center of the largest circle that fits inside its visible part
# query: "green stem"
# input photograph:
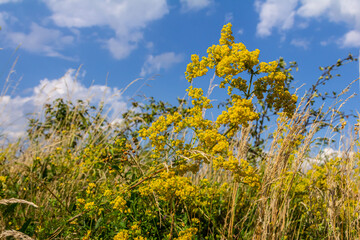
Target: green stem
(247, 95)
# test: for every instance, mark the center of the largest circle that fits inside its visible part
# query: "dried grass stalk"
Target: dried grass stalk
(15, 200)
(14, 234)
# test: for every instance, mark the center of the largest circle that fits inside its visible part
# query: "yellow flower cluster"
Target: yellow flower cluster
(212, 138)
(200, 102)
(241, 169)
(119, 203)
(168, 186)
(122, 235)
(226, 35)
(158, 127)
(90, 187)
(230, 59)
(89, 206)
(187, 234)
(213, 141)
(3, 179)
(239, 114)
(274, 86)
(195, 93)
(196, 68)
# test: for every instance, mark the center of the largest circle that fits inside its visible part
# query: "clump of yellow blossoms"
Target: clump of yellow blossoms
(239, 114)
(211, 140)
(169, 186)
(122, 235)
(119, 203)
(187, 234)
(229, 59)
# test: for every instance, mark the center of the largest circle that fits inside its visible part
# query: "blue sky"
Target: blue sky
(118, 41)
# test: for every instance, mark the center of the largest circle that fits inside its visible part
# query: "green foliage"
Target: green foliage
(61, 118)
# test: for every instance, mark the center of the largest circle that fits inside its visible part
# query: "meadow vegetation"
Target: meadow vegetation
(255, 171)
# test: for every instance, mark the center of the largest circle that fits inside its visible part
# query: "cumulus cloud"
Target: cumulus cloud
(314, 8)
(194, 5)
(324, 156)
(15, 110)
(351, 39)
(275, 13)
(40, 40)
(126, 18)
(154, 64)
(281, 14)
(303, 43)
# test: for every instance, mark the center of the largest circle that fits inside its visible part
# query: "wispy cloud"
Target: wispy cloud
(351, 39)
(272, 16)
(127, 19)
(3, 19)
(40, 40)
(194, 5)
(15, 110)
(9, 1)
(154, 64)
(275, 14)
(303, 43)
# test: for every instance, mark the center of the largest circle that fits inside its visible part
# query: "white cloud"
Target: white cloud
(275, 13)
(154, 64)
(3, 17)
(9, 1)
(322, 157)
(194, 5)
(303, 43)
(126, 18)
(281, 14)
(314, 8)
(40, 40)
(120, 49)
(334, 10)
(14, 110)
(343, 12)
(351, 39)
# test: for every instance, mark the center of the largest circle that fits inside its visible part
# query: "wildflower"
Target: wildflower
(187, 234)
(107, 192)
(87, 236)
(140, 238)
(3, 179)
(122, 235)
(119, 203)
(89, 206)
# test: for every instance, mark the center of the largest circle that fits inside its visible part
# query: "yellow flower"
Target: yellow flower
(140, 238)
(107, 192)
(89, 206)
(119, 203)
(122, 235)
(87, 236)
(3, 179)
(187, 234)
